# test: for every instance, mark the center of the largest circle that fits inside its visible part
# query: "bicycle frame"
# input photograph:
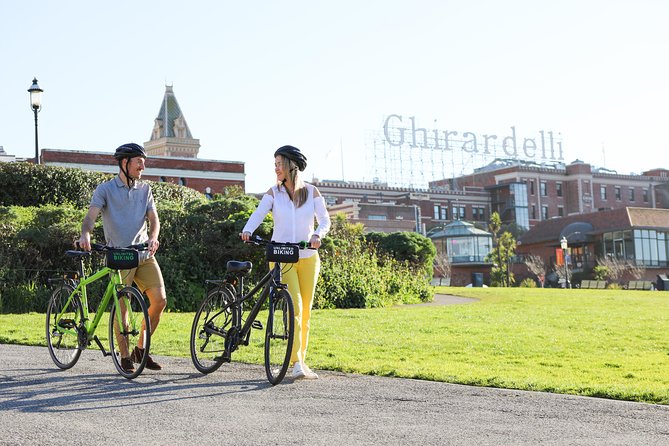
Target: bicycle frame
(270, 282)
(115, 283)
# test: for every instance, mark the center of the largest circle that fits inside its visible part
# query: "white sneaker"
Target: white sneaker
(298, 372)
(308, 373)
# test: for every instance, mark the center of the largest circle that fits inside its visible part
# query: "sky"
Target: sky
(323, 76)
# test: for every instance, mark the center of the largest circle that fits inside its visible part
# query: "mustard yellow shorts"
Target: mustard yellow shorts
(147, 275)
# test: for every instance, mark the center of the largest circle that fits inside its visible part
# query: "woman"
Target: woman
(294, 204)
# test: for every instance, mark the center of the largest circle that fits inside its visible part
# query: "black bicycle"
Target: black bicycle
(220, 325)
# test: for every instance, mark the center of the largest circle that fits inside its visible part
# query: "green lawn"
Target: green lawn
(605, 343)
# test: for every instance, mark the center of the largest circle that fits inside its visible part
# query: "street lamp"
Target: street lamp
(36, 105)
(563, 245)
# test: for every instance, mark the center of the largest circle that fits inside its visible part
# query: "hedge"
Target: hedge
(41, 209)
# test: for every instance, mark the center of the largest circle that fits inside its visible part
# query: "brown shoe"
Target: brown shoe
(136, 356)
(127, 365)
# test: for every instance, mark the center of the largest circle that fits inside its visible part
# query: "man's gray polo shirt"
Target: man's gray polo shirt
(124, 211)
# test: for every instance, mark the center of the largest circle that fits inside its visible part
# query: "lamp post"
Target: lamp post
(36, 105)
(563, 245)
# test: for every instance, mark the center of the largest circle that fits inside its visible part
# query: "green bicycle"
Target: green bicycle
(69, 328)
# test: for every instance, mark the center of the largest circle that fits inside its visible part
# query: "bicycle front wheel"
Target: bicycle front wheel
(213, 327)
(129, 332)
(279, 335)
(64, 315)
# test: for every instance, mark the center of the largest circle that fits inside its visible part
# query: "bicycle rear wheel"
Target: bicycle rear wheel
(279, 335)
(63, 319)
(129, 332)
(213, 327)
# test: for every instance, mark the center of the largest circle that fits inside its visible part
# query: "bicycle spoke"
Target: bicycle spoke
(129, 337)
(211, 330)
(279, 336)
(63, 315)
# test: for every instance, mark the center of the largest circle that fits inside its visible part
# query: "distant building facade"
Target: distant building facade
(172, 154)
(206, 176)
(628, 234)
(527, 193)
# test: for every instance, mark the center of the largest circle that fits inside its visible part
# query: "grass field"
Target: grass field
(604, 343)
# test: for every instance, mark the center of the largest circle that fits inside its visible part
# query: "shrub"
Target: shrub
(197, 236)
(528, 283)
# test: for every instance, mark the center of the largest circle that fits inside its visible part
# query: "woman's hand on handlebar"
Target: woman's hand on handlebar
(246, 236)
(315, 241)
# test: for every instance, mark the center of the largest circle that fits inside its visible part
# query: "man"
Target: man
(126, 204)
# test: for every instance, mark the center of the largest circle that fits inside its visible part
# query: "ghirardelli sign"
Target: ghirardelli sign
(543, 145)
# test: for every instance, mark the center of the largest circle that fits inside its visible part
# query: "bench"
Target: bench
(645, 285)
(593, 284)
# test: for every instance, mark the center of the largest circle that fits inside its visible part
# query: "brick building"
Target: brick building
(527, 193)
(172, 154)
(206, 176)
(637, 235)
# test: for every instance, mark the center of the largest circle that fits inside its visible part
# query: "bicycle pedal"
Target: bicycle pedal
(257, 325)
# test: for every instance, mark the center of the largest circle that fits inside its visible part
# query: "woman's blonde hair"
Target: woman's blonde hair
(300, 192)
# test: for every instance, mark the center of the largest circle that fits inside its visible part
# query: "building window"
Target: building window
(631, 197)
(534, 212)
(478, 214)
(543, 189)
(531, 187)
(162, 180)
(617, 192)
(458, 212)
(207, 192)
(560, 211)
(377, 217)
(440, 212)
(602, 192)
(182, 181)
(558, 189)
(645, 195)
(544, 212)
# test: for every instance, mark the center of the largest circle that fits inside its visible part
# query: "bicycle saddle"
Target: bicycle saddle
(234, 266)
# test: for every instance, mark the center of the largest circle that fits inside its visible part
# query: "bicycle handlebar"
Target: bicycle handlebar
(101, 248)
(259, 241)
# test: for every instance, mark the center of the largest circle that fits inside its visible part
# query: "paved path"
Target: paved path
(90, 403)
(449, 299)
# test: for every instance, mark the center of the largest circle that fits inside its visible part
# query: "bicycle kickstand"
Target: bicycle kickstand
(97, 341)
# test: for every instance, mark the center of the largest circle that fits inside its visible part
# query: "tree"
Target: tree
(442, 265)
(403, 246)
(536, 266)
(615, 267)
(504, 246)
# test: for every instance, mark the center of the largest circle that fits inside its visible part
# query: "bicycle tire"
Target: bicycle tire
(217, 317)
(64, 347)
(136, 327)
(279, 335)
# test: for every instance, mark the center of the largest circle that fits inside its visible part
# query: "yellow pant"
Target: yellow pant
(301, 278)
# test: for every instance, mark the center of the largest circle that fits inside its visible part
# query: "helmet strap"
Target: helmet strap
(129, 180)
